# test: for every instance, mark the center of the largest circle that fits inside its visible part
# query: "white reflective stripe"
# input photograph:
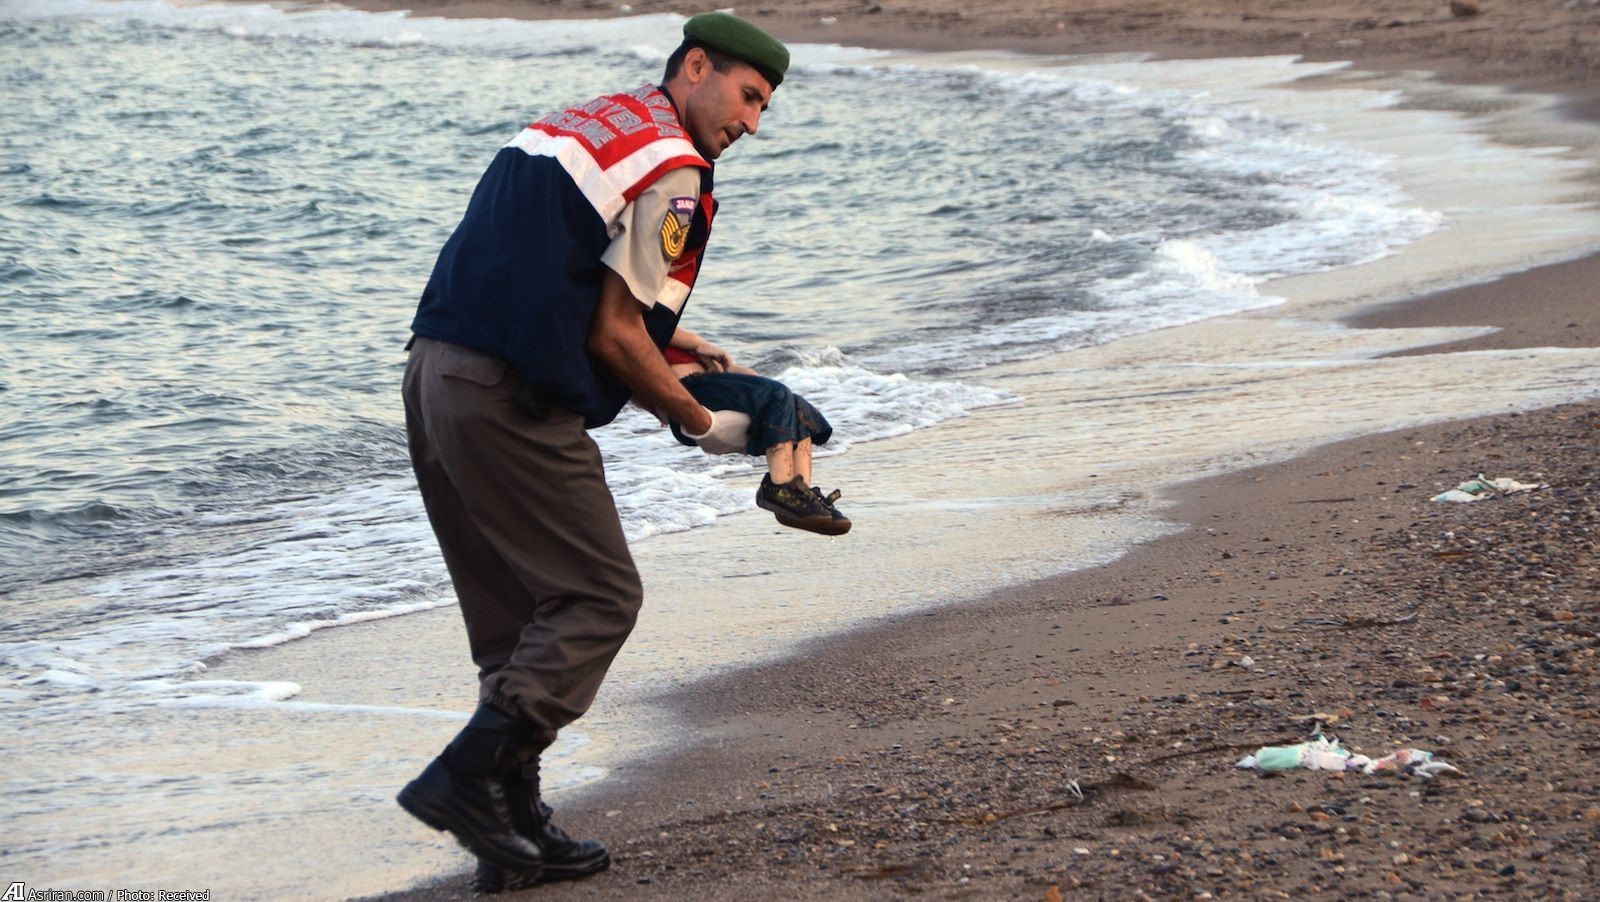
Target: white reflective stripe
(603, 188)
(673, 294)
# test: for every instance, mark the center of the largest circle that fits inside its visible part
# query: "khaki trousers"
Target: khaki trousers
(529, 532)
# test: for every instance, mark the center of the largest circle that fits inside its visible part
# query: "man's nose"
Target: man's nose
(751, 120)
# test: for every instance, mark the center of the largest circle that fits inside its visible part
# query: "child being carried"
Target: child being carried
(783, 428)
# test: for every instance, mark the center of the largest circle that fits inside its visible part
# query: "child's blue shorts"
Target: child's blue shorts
(777, 415)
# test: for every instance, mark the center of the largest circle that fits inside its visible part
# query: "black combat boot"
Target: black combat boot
(565, 858)
(464, 791)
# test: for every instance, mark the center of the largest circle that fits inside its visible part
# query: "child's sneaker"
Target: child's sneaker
(796, 505)
(841, 523)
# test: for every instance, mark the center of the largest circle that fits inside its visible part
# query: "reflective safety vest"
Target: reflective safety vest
(520, 276)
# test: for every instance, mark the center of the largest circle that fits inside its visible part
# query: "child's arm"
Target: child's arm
(711, 357)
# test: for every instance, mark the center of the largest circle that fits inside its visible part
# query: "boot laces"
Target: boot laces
(829, 498)
(545, 814)
(541, 812)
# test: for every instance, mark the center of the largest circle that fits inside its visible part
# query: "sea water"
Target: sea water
(214, 225)
(218, 220)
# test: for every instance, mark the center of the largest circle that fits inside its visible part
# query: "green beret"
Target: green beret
(738, 38)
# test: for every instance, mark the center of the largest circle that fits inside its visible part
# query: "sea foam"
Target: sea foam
(936, 280)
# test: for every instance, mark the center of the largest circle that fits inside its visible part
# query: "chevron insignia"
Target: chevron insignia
(675, 226)
(674, 235)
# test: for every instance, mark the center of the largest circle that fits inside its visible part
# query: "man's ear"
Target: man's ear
(695, 64)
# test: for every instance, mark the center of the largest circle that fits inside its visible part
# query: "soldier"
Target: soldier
(548, 308)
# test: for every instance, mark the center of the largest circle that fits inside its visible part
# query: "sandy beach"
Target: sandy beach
(935, 754)
(1148, 331)
(940, 764)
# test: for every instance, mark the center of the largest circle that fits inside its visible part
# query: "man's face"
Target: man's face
(722, 107)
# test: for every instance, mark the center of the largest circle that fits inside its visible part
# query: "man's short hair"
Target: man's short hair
(720, 61)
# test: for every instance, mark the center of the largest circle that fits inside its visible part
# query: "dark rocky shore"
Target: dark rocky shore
(938, 755)
(1466, 629)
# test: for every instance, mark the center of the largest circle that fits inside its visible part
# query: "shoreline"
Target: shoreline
(940, 762)
(864, 747)
(812, 818)
(1550, 50)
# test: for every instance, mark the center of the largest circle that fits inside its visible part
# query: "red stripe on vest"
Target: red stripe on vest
(613, 127)
(666, 166)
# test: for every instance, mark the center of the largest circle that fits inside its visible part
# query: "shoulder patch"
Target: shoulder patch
(675, 226)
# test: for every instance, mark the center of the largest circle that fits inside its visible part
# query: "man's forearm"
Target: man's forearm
(618, 339)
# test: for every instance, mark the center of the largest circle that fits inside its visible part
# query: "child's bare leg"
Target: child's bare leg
(781, 462)
(799, 506)
(802, 460)
(785, 461)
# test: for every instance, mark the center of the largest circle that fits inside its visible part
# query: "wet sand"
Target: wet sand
(932, 753)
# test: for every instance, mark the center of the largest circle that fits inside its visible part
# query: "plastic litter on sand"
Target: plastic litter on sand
(1323, 753)
(1483, 487)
